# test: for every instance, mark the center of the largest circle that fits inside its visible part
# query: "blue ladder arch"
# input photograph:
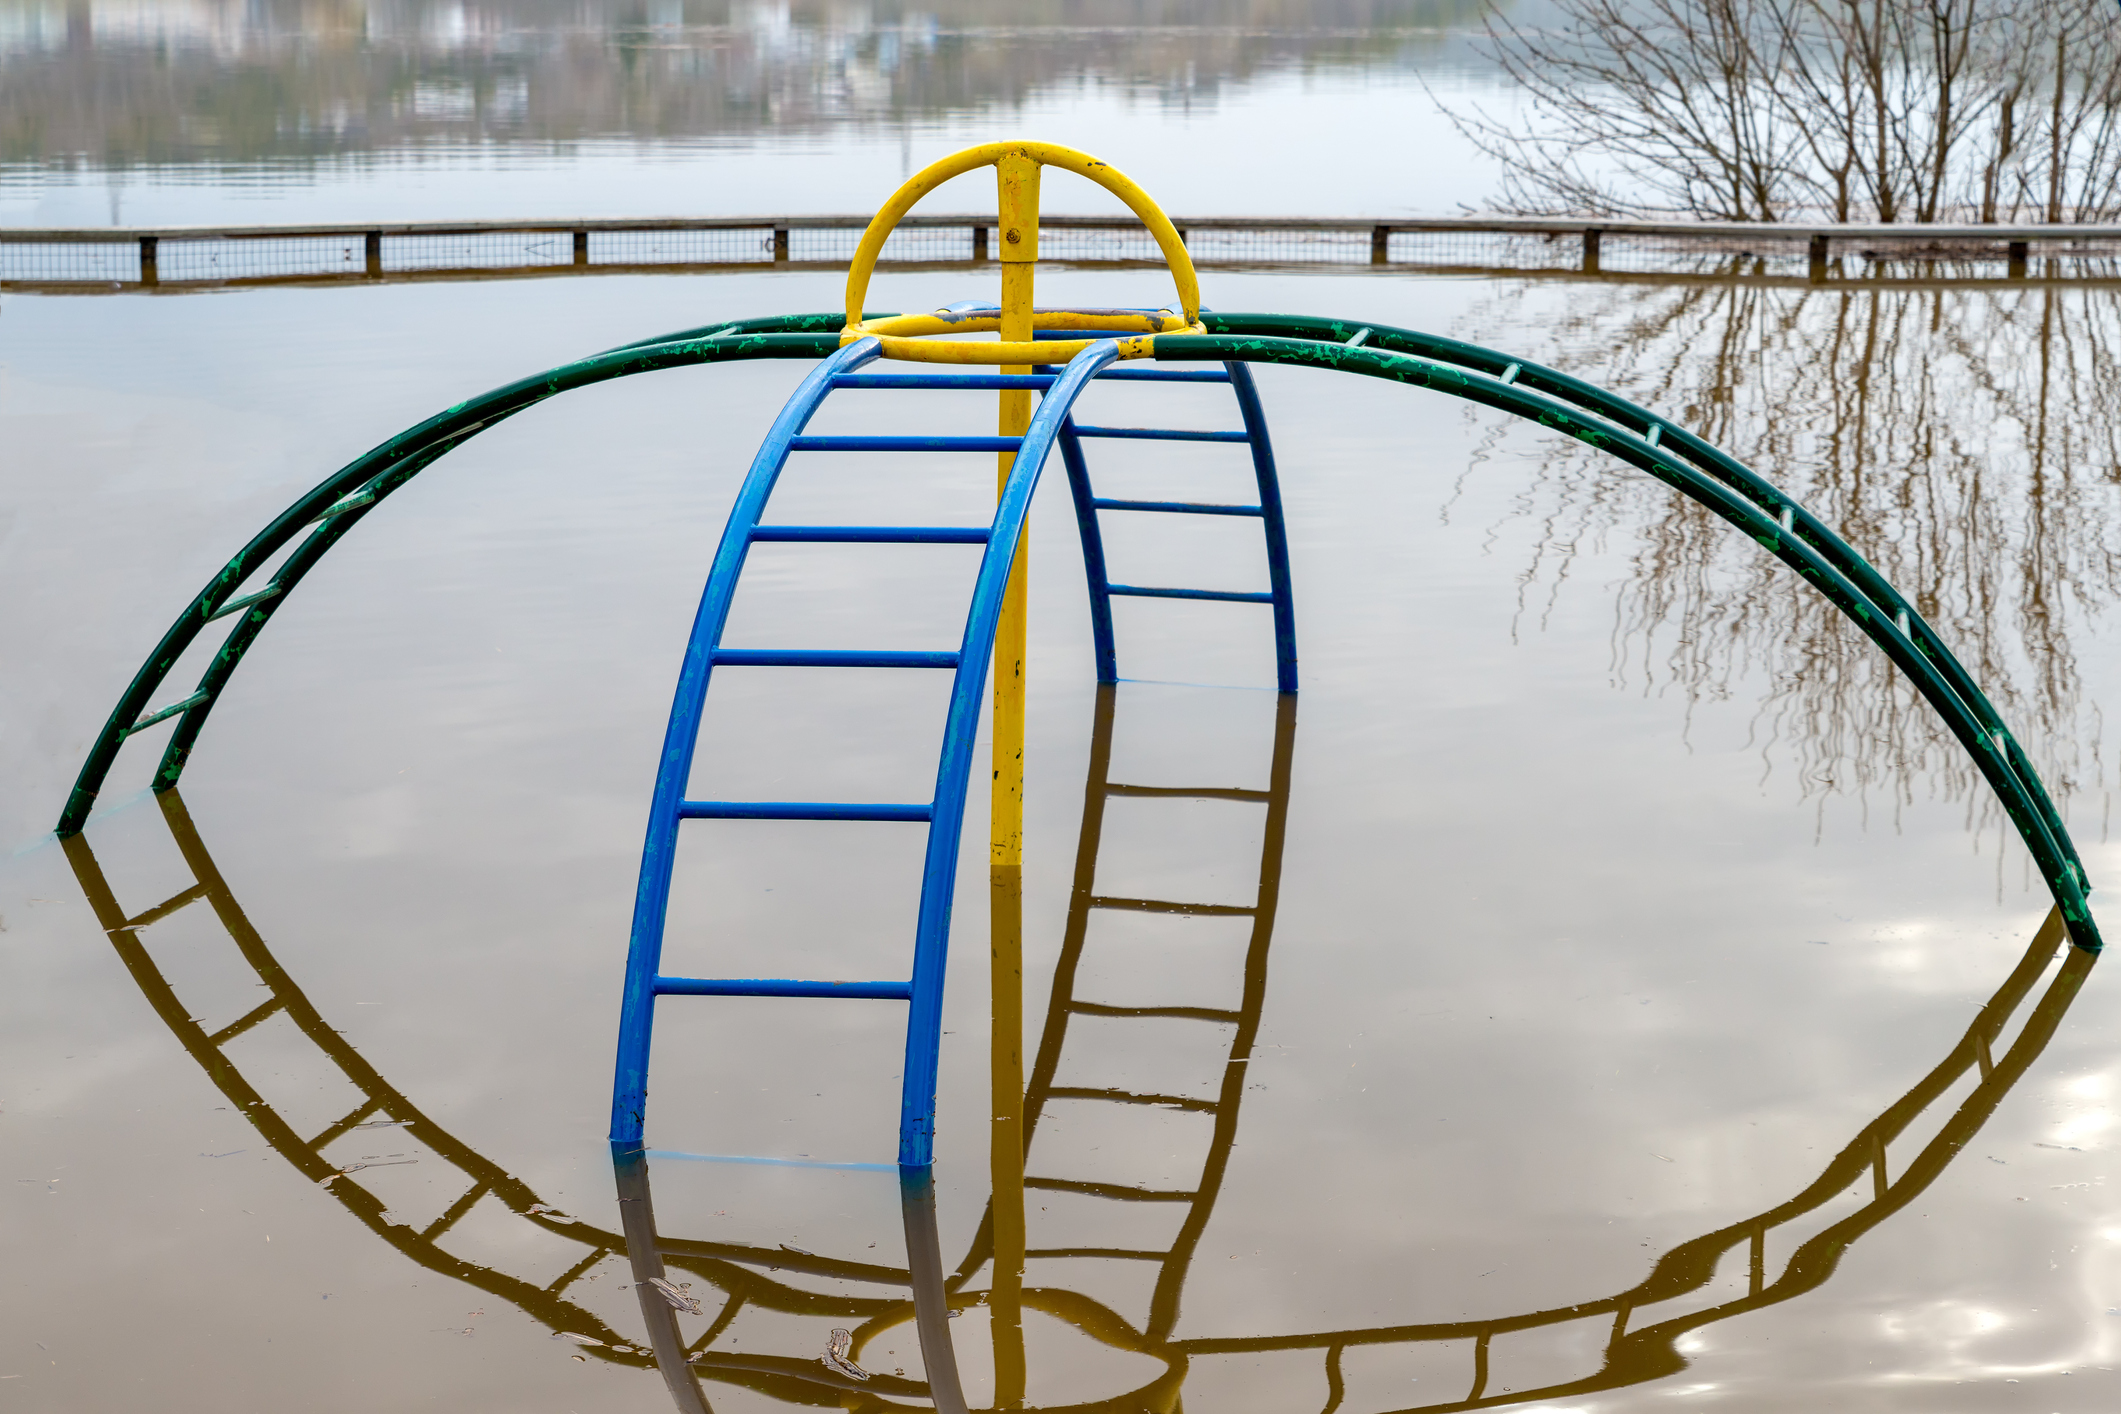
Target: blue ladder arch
(943, 814)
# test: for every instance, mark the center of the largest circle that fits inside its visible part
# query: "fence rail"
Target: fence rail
(153, 257)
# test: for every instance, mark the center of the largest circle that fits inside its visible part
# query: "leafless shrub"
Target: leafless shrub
(1846, 110)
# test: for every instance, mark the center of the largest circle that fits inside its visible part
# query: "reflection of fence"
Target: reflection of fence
(1633, 1352)
(177, 257)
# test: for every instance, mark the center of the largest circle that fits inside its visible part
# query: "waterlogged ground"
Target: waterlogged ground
(1652, 1016)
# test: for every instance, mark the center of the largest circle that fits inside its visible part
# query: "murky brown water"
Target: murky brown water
(1651, 1016)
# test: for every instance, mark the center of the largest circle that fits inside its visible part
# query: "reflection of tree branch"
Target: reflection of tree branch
(1940, 432)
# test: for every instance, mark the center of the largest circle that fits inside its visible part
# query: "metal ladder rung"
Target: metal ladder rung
(1159, 375)
(1188, 508)
(945, 380)
(876, 534)
(345, 1126)
(1161, 434)
(340, 508)
(165, 713)
(1141, 591)
(830, 658)
(904, 444)
(1128, 1097)
(1173, 1013)
(1159, 905)
(1188, 793)
(799, 810)
(244, 1022)
(237, 606)
(165, 908)
(1117, 1191)
(778, 987)
(1124, 1252)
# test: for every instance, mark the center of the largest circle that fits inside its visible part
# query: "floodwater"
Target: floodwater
(1603, 989)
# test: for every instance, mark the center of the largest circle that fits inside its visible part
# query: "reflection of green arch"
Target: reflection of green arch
(742, 1272)
(1551, 399)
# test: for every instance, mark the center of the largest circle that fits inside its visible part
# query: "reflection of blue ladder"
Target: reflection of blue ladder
(1268, 509)
(944, 813)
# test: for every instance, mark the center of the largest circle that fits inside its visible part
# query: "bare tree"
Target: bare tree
(1849, 110)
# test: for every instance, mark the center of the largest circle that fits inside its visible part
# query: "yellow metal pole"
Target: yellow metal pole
(1017, 179)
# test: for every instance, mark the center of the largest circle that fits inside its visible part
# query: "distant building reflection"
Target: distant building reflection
(1953, 436)
(106, 83)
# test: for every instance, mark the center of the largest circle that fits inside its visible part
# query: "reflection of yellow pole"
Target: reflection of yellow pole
(1005, 1155)
(1018, 191)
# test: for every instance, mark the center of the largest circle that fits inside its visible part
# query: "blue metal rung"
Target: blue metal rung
(1161, 434)
(904, 444)
(875, 534)
(778, 987)
(1191, 508)
(829, 658)
(944, 380)
(1158, 375)
(797, 810)
(1145, 592)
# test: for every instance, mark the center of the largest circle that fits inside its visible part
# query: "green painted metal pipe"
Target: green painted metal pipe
(1543, 395)
(1729, 489)
(382, 471)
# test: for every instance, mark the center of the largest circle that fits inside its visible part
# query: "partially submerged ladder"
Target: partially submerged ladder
(943, 813)
(1267, 508)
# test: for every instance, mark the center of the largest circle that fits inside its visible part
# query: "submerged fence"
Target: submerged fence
(192, 257)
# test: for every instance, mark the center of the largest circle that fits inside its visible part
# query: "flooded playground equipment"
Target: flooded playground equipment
(1627, 1337)
(1057, 354)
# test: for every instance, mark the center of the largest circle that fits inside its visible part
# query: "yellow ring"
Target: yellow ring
(900, 335)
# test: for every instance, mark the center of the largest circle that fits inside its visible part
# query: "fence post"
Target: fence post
(780, 245)
(581, 247)
(2015, 252)
(1380, 245)
(979, 242)
(373, 249)
(1817, 259)
(1590, 249)
(149, 275)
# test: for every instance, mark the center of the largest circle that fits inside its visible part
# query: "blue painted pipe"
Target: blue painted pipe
(1277, 528)
(1234, 596)
(1088, 503)
(924, 1024)
(1161, 375)
(1159, 434)
(778, 987)
(796, 810)
(904, 444)
(876, 534)
(644, 949)
(1093, 538)
(1188, 508)
(946, 380)
(832, 658)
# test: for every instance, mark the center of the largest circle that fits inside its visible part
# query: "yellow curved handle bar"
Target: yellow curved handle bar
(901, 335)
